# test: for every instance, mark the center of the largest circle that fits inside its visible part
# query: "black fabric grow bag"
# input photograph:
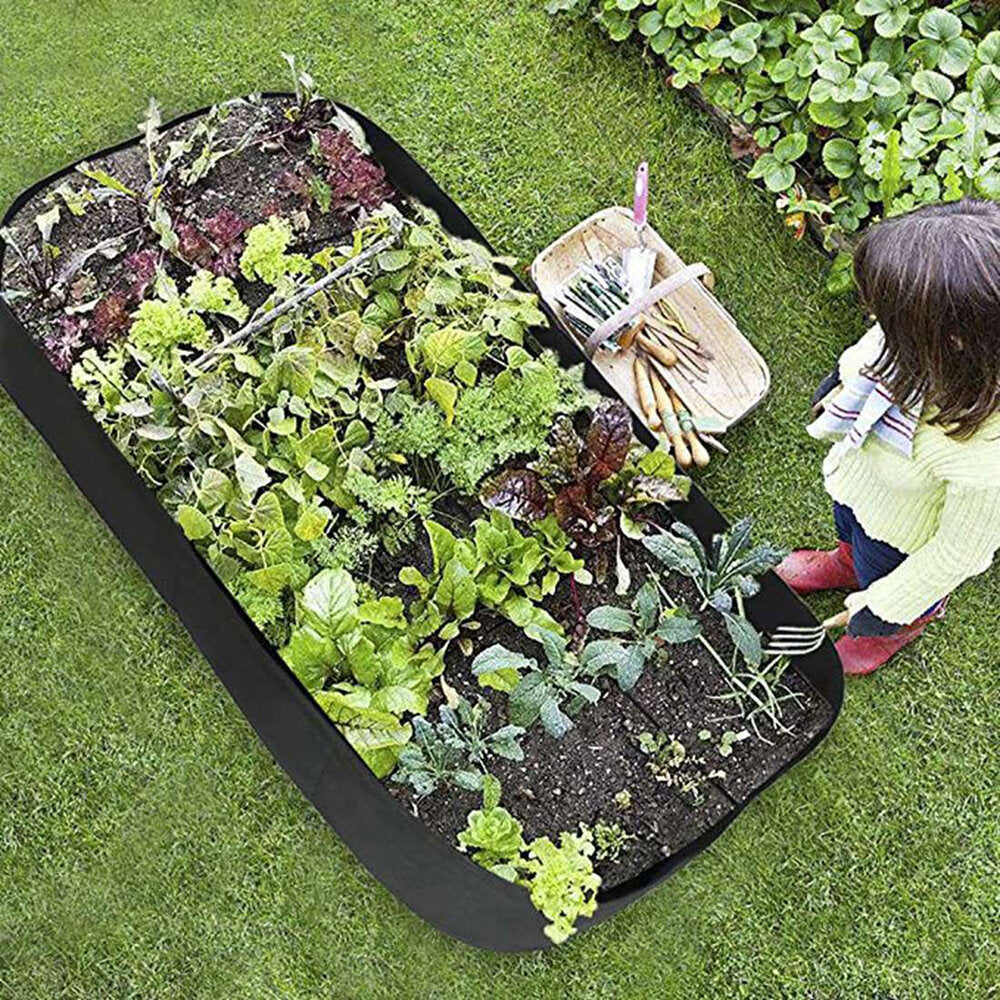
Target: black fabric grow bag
(436, 881)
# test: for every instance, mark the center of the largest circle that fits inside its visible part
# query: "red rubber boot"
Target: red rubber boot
(864, 654)
(808, 570)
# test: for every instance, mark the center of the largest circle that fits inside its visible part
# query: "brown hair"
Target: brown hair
(932, 280)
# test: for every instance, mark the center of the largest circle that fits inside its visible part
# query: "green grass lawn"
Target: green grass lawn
(150, 848)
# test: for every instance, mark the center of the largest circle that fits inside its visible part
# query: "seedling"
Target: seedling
(611, 841)
(671, 763)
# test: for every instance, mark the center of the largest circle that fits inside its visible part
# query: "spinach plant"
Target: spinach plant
(363, 664)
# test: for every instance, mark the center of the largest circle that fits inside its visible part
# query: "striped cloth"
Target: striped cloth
(864, 406)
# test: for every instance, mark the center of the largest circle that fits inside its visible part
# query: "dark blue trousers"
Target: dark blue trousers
(872, 560)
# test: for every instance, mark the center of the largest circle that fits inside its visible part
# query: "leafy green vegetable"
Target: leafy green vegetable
(370, 654)
(498, 568)
(583, 483)
(641, 629)
(729, 567)
(266, 256)
(560, 878)
(550, 692)
(492, 836)
(455, 750)
(562, 881)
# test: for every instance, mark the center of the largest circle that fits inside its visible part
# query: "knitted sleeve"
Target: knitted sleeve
(967, 537)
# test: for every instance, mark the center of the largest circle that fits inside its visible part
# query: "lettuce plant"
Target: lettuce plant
(363, 663)
(584, 483)
(559, 877)
(498, 568)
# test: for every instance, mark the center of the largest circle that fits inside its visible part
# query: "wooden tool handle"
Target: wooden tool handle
(699, 453)
(627, 337)
(647, 398)
(662, 354)
(837, 621)
(670, 423)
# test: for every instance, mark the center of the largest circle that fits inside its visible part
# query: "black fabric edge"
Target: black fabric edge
(418, 866)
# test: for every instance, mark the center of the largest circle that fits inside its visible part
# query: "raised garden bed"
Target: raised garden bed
(462, 606)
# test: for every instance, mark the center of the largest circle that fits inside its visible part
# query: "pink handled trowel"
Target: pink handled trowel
(639, 262)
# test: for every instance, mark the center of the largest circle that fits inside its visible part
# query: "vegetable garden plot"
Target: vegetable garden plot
(466, 610)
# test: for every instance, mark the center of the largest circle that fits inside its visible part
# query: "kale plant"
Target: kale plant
(455, 750)
(724, 574)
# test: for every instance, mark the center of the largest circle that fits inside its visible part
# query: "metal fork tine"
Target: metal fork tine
(795, 640)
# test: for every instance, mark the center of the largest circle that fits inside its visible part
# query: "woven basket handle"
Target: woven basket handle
(659, 291)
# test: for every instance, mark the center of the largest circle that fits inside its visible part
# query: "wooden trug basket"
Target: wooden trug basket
(738, 377)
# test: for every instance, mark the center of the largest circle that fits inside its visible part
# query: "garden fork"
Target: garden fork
(801, 640)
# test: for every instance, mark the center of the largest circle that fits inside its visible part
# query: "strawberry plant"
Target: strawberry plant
(888, 104)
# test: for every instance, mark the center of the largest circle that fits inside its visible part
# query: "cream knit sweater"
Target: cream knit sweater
(941, 507)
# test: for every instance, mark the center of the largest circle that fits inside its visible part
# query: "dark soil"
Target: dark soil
(597, 773)
(561, 784)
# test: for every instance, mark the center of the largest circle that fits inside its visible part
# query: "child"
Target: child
(915, 472)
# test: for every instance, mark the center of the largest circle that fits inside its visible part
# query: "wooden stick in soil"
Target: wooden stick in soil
(698, 451)
(670, 424)
(262, 322)
(644, 390)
